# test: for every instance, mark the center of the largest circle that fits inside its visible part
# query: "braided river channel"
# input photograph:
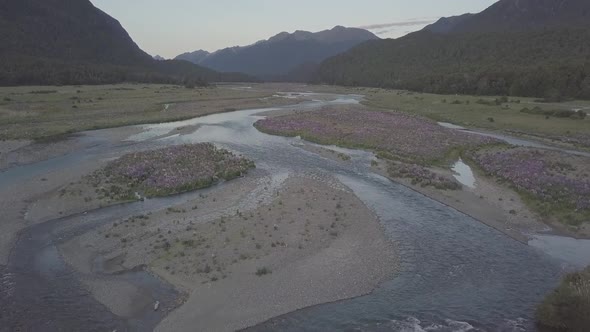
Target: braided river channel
(456, 274)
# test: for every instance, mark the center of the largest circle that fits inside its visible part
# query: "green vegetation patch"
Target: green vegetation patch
(167, 171)
(394, 135)
(563, 122)
(568, 307)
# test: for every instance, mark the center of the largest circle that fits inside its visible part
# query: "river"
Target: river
(456, 273)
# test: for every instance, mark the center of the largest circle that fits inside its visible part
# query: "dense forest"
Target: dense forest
(45, 71)
(551, 63)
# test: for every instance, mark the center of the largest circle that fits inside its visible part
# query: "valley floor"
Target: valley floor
(242, 252)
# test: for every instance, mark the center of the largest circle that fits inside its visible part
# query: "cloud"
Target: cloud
(405, 23)
(383, 32)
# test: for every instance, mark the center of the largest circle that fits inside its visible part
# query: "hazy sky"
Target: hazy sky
(171, 27)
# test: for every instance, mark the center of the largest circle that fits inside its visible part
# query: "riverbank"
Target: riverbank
(311, 241)
(488, 203)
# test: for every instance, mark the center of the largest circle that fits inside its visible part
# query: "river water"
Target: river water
(456, 273)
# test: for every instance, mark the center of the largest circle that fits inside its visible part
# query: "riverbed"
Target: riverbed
(455, 272)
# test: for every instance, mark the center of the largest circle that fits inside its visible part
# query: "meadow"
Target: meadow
(50, 112)
(509, 115)
(393, 135)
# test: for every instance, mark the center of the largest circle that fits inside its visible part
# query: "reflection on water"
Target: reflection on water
(568, 249)
(450, 125)
(463, 173)
(514, 140)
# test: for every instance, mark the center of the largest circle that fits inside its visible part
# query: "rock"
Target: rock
(156, 305)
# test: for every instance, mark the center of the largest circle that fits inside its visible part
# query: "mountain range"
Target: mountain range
(515, 47)
(73, 42)
(282, 53)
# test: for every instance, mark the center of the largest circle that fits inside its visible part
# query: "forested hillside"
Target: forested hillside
(515, 47)
(551, 63)
(73, 42)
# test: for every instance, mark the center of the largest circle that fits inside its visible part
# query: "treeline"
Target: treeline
(552, 64)
(39, 71)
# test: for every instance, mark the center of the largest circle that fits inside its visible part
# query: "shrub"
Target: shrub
(555, 113)
(580, 114)
(568, 307)
(263, 271)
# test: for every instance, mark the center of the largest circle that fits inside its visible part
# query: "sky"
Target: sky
(172, 27)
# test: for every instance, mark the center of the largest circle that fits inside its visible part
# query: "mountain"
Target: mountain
(543, 53)
(447, 24)
(281, 53)
(512, 15)
(73, 42)
(195, 57)
(158, 57)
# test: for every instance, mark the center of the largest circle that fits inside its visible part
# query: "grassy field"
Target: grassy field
(48, 112)
(486, 113)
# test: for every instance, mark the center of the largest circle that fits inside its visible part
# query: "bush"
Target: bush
(568, 307)
(580, 114)
(263, 271)
(555, 113)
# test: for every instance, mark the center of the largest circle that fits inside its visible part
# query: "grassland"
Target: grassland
(486, 113)
(41, 113)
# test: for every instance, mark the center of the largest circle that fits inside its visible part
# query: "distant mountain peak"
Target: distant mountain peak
(513, 15)
(194, 57)
(283, 51)
(447, 24)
